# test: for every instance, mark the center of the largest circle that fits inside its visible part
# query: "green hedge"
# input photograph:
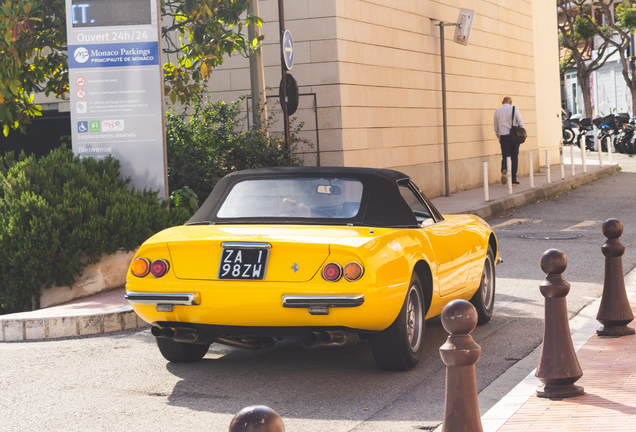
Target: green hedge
(211, 141)
(60, 213)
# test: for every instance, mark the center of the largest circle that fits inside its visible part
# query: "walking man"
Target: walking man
(503, 123)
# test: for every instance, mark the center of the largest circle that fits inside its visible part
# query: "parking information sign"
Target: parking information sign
(115, 83)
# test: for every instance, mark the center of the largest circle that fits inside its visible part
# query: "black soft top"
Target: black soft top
(381, 204)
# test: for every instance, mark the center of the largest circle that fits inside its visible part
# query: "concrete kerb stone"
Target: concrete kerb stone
(55, 327)
(491, 210)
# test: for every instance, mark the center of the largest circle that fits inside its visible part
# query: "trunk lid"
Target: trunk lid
(296, 254)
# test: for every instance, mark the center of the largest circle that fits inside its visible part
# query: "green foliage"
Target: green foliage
(60, 213)
(626, 16)
(583, 28)
(197, 35)
(211, 142)
(184, 197)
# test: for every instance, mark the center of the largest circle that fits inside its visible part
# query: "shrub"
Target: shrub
(210, 142)
(60, 213)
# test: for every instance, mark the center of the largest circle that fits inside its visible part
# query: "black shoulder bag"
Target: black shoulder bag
(518, 134)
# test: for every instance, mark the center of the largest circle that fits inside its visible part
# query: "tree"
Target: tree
(196, 35)
(616, 34)
(576, 34)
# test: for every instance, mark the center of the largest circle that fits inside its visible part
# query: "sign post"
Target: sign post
(462, 32)
(287, 62)
(116, 86)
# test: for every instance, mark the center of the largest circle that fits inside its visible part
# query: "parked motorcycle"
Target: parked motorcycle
(608, 130)
(626, 125)
(585, 131)
(568, 128)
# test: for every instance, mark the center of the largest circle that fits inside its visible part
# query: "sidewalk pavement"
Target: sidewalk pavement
(609, 381)
(608, 364)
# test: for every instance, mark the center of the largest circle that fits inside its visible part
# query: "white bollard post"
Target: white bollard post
(562, 165)
(583, 156)
(486, 194)
(597, 145)
(547, 166)
(572, 160)
(531, 170)
(609, 150)
(508, 166)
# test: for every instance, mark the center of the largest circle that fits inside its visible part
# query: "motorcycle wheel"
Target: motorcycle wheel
(568, 136)
(589, 143)
(618, 143)
(604, 143)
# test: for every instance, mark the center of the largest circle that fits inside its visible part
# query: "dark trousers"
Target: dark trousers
(509, 149)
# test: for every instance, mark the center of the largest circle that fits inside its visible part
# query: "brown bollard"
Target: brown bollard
(459, 354)
(558, 367)
(258, 418)
(615, 312)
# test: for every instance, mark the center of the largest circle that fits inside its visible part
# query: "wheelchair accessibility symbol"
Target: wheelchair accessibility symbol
(82, 127)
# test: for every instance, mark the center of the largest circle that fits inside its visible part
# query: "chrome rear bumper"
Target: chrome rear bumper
(182, 299)
(319, 305)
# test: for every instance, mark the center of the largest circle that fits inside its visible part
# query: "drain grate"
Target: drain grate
(550, 236)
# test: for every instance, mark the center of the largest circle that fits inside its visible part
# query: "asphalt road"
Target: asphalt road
(120, 381)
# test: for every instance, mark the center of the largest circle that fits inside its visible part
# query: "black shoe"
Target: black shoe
(515, 183)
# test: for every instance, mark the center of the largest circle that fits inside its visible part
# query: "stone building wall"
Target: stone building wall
(375, 68)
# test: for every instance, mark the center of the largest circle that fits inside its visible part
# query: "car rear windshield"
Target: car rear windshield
(333, 198)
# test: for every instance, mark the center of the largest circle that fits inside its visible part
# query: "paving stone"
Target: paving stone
(12, 330)
(91, 325)
(112, 322)
(34, 329)
(62, 327)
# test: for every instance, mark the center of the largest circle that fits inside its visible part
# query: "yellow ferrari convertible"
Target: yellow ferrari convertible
(331, 255)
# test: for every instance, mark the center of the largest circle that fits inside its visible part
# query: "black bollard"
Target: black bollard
(459, 354)
(615, 312)
(558, 367)
(258, 418)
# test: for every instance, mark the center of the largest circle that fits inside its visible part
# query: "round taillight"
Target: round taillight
(159, 268)
(140, 267)
(353, 271)
(332, 272)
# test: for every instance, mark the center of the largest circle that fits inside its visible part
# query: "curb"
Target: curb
(503, 205)
(62, 326)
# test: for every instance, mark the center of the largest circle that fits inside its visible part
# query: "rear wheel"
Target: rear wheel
(180, 352)
(568, 136)
(399, 347)
(484, 298)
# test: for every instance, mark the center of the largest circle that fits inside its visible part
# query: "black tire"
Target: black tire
(568, 136)
(604, 143)
(399, 347)
(484, 297)
(618, 144)
(180, 352)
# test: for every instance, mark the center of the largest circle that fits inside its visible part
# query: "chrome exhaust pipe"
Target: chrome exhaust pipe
(183, 334)
(329, 339)
(166, 332)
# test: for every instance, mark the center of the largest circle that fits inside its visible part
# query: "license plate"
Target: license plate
(244, 262)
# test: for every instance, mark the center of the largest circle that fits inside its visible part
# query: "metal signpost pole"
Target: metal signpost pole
(441, 46)
(283, 90)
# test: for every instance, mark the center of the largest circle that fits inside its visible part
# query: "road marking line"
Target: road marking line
(515, 222)
(584, 224)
